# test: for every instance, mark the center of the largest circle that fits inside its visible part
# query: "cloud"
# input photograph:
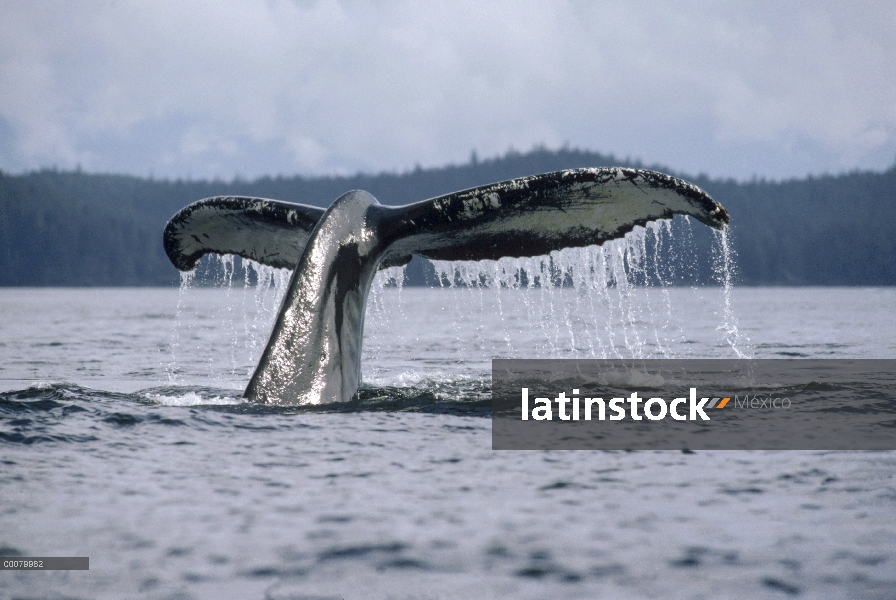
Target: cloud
(251, 88)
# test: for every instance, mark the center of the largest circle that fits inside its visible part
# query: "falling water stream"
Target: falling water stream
(608, 301)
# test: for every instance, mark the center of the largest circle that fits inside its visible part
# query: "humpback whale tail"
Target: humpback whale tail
(314, 351)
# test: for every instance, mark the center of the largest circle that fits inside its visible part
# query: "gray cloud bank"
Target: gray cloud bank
(252, 88)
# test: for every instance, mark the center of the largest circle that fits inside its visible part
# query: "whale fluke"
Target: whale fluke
(314, 352)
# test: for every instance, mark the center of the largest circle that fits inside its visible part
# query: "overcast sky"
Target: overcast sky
(225, 88)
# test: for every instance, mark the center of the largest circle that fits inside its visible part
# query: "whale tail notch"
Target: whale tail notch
(270, 232)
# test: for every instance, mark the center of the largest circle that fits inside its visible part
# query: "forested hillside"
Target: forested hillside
(78, 229)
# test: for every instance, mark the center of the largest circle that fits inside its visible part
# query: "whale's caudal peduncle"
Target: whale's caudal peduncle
(314, 352)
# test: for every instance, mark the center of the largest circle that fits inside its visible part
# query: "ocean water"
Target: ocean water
(123, 437)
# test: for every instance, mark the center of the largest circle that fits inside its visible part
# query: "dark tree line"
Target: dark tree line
(77, 229)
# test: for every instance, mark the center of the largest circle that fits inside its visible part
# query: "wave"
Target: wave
(67, 412)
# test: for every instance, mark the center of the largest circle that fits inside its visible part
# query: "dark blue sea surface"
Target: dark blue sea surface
(123, 437)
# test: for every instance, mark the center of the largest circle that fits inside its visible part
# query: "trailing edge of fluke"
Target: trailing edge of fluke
(314, 352)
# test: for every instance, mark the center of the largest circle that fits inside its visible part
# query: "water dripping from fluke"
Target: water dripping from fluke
(229, 293)
(609, 301)
(186, 281)
(725, 271)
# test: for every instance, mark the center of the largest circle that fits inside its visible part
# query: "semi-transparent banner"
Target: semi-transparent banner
(694, 404)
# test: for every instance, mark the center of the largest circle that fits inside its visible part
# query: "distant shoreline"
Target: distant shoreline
(61, 229)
